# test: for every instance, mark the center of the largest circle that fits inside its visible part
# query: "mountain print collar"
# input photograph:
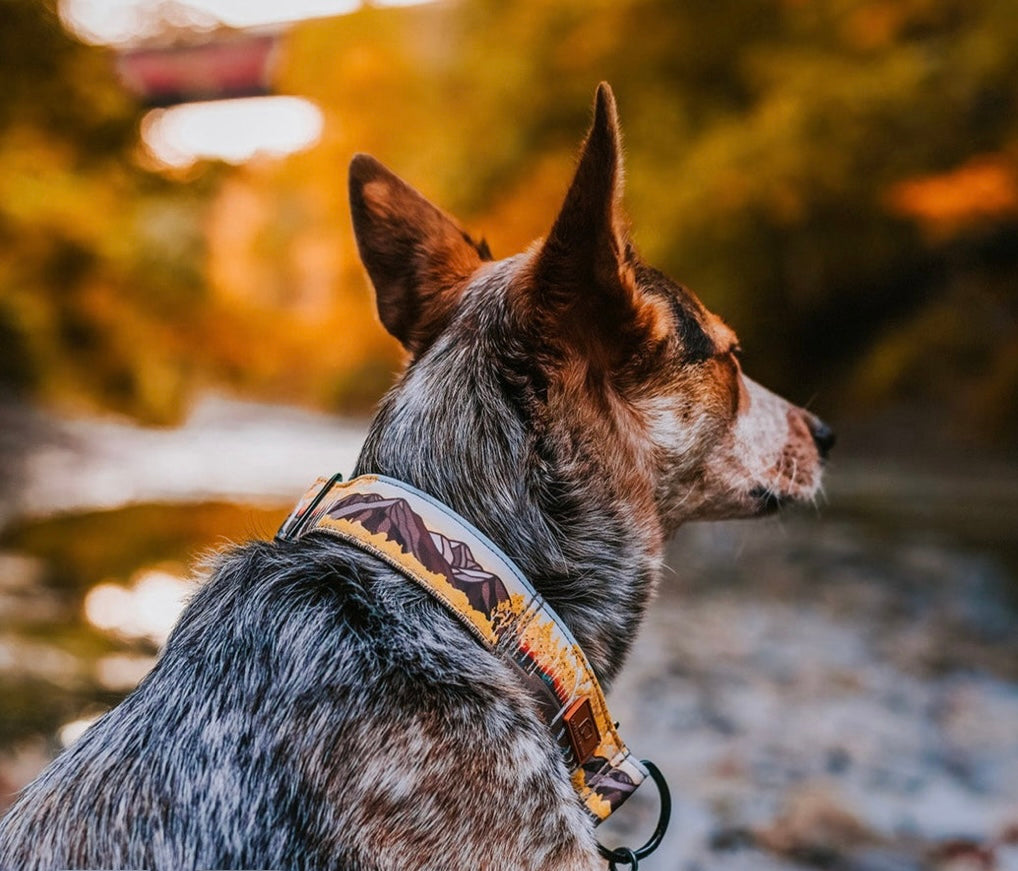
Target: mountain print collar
(443, 553)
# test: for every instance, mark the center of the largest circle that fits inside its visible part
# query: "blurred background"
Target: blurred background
(187, 340)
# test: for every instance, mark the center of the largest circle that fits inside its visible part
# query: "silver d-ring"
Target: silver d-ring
(632, 857)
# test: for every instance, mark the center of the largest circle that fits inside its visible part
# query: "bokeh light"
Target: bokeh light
(147, 608)
(124, 21)
(231, 130)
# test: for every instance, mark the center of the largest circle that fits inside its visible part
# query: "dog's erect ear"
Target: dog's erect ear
(581, 268)
(417, 256)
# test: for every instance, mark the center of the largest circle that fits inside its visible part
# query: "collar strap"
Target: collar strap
(461, 567)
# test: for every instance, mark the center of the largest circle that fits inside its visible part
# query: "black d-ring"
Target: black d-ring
(632, 857)
(622, 854)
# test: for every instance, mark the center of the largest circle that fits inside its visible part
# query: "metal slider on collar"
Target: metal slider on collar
(297, 522)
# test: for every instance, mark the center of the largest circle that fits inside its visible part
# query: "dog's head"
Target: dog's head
(624, 372)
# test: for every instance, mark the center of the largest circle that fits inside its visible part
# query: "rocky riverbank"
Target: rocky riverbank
(826, 693)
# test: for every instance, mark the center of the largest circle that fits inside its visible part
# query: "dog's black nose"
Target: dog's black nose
(823, 435)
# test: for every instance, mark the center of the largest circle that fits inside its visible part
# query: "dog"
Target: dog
(313, 709)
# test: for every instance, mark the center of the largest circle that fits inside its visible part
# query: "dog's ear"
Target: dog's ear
(417, 256)
(582, 275)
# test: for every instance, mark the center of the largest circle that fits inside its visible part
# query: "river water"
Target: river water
(833, 689)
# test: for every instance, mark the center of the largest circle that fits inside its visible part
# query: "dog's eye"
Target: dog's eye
(732, 353)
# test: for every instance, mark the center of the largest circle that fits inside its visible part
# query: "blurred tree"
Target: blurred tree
(839, 178)
(100, 261)
(119, 287)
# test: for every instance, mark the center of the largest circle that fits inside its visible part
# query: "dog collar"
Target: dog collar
(461, 567)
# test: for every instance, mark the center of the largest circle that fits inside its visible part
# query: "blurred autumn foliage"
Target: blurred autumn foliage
(838, 178)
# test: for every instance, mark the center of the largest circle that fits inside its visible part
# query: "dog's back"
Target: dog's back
(309, 711)
(313, 709)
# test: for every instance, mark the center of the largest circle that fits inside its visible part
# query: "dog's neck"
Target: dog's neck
(587, 562)
(452, 428)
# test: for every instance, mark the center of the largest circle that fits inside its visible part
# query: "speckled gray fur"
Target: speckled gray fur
(315, 710)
